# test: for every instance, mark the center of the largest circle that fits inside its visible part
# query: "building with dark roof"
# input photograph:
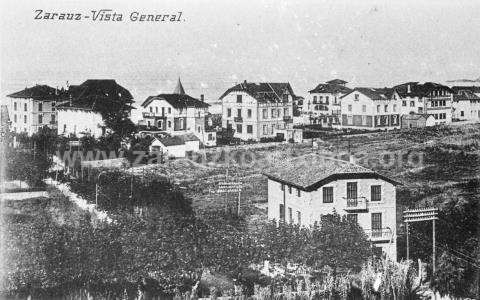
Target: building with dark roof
(257, 110)
(371, 109)
(304, 189)
(175, 113)
(33, 108)
(465, 105)
(322, 105)
(426, 98)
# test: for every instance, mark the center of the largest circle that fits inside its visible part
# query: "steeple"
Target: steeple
(179, 89)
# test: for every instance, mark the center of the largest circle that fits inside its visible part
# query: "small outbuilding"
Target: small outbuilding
(169, 146)
(417, 120)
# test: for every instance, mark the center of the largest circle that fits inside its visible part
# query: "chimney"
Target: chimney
(202, 97)
(351, 159)
(409, 88)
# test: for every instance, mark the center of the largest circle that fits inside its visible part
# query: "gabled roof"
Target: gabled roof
(311, 171)
(176, 100)
(331, 89)
(168, 140)
(337, 81)
(39, 92)
(418, 89)
(474, 89)
(263, 91)
(465, 95)
(374, 93)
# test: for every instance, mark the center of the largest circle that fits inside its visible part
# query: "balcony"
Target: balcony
(147, 114)
(238, 119)
(355, 204)
(379, 235)
(53, 122)
(287, 119)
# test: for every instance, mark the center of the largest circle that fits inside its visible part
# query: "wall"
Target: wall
(32, 113)
(74, 121)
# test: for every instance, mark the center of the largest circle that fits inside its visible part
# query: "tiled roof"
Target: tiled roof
(418, 89)
(331, 89)
(465, 95)
(170, 140)
(337, 81)
(473, 89)
(375, 93)
(263, 91)
(177, 100)
(310, 171)
(39, 92)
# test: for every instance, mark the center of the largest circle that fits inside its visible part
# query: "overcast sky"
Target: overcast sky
(219, 43)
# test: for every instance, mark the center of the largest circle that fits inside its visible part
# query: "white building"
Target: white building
(257, 110)
(371, 109)
(76, 121)
(302, 190)
(176, 113)
(169, 146)
(33, 108)
(322, 105)
(427, 98)
(466, 106)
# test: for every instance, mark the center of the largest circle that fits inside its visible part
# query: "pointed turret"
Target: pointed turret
(179, 89)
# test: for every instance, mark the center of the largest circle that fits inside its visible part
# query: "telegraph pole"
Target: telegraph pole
(408, 247)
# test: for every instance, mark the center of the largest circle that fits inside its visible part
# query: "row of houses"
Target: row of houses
(253, 111)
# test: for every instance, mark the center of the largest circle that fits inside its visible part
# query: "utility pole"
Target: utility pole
(433, 246)
(408, 246)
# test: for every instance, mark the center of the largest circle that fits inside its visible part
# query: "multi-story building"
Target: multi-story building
(33, 108)
(371, 109)
(465, 106)
(324, 99)
(175, 113)
(257, 110)
(428, 98)
(84, 107)
(302, 190)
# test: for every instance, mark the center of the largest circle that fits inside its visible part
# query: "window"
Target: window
(352, 218)
(404, 103)
(378, 108)
(282, 187)
(314, 99)
(239, 112)
(249, 128)
(289, 189)
(156, 109)
(25, 107)
(151, 109)
(239, 98)
(328, 194)
(265, 129)
(461, 114)
(349, 107)
(169, 124)
(53, 118)
(376, 224)
(169, 110)
(290, 215)
(351, 190)
(249, 113)
(265, 113)
(25, 119)
(394, 108)
(298, 193)
(15, 118)
(14, 105)
(299, 218)
(229, 112)
(285, 97)
(386, 108)
(274, 113)
(239, 128)
(148, 123)
(357, 97)
(364, 108)
(285, 112)
(412, 103)
(163, 111)
(65, 127)
(376, 193)
(282, 212)
(350, 120)
(53, 106)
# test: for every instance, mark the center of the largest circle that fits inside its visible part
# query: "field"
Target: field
(428, 162)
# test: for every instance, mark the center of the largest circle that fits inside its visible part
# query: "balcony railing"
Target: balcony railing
(238, 119)
(287, 119)
(381, 234)
(359, 203)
